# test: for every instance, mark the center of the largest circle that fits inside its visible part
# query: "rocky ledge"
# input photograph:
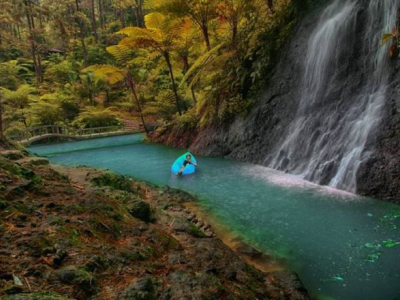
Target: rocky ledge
(89, 234)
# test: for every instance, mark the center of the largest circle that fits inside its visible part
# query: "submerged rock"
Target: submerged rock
(248, 251)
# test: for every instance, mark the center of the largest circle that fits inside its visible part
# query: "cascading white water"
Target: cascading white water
(328, 149)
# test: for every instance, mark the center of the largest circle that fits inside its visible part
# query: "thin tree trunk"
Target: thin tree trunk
(101, 14)
(270, 5)
(174, 89)
(108, 101)
(140, 14)
(31, 27)
(193, 96)
(19, 32)
(122, 17)
(1, 118)
(204, 30)
(133, 91)
(137, 17)
(234, 33)
(94, 27)
(81, 35)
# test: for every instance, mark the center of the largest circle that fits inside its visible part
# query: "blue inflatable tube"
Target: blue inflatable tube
(189, 169)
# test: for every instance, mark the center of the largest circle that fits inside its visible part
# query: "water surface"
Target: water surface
(343, 246)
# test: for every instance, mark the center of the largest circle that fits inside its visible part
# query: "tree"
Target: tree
(233, 12)
(37, 61)
(113, 75)
(18, 100)
(158, 36)
(1, 116)
(201, 12)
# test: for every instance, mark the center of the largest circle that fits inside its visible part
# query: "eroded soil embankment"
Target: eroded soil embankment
(88, 234)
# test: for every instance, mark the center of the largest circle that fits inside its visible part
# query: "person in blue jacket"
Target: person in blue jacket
(187, 161)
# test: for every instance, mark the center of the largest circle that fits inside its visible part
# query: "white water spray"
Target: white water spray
(330, 149)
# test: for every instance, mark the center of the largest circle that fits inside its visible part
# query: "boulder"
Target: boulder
(139, 209)
(143, 289)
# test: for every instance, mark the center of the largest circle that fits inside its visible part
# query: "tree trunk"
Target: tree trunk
(140, 13)
(1, 118)
(174, 89)
(122, 17)
(32, 36)
(108, 101)
(131, 84)
(101, 14)
(81, 35)
(193, 96)
(93, 18)
(19, 32)
(270, 5)
(234, 33)
(204, 30)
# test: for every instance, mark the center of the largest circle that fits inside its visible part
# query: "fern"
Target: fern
(108, 73)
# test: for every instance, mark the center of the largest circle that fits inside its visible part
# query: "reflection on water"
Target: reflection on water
(342, 246)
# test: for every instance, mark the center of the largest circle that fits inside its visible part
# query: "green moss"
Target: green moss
(79, 277)
(196, 232)
(115, 181)
(138, 253)
(168, 242)
(3, 205)
(72, 235)
(16, 170)
(74, 209)
(101, 226)
(36, 296)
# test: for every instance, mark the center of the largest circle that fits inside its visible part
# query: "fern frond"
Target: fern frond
(108, 73)
(121, 53)
(201, 62)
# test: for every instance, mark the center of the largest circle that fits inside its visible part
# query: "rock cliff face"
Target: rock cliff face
(331, 112)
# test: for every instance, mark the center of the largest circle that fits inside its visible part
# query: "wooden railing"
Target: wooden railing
(42, 132)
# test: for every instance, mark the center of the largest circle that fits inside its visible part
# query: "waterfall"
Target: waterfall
(329, 148)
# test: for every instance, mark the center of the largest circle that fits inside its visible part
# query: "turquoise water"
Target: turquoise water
(342, 246)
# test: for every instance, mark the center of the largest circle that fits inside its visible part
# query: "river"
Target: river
(343, 246)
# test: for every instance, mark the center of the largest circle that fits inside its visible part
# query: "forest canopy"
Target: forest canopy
(88, 63)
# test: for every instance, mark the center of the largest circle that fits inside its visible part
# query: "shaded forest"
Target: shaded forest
(91, 63)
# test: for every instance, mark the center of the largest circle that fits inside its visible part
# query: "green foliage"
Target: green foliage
(20, 97)
(115, 181)
(60, 72)
(92, 117)
(10, 72)
(191, 63)
(187, 121)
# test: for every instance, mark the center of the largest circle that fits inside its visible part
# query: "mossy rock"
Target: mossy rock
(13, 154)
(195, 231)
(143, 289)
(14, 169)
(139, 209)
(35, 161)
(36, 296)
(138, 253)
(3, 205)
(96, 263)
(78, 277)
(115, 181)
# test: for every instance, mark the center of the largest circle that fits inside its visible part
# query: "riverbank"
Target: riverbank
(88, 234)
